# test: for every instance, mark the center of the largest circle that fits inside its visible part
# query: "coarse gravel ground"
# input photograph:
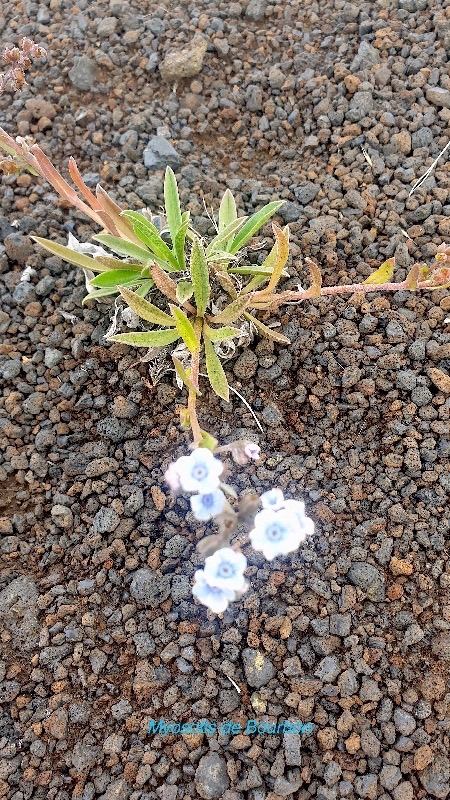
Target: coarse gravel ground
(99, 631)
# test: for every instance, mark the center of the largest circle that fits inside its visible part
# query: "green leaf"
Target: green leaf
(267, 332)
(383, 274)
(117, 263)
(216, 374)
(225, 235)
(185, 290)
(179, 245)
(184, 376)
(227, 210)
(233, 311)
(115, 276)
(172, 204)
(144, 309)
(253, 225)
(144, 288)
(200, 278)
(256, 281)
(146, 339)
(185, 329)
(221, 334)
(99, 293)
(282, 253)
(124, 248)
(150, 236)
(79, 259)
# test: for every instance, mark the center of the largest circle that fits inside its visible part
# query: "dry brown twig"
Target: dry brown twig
(18, 60)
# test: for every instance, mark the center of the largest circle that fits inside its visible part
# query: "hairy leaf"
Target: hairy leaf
(383, 274)
(146, 310)
(227, 210)
(117, 263)
(253, 225)
(254, 269)
(185, 290)
(412, 278)
(224, 236)
(199, 277)
(144, 288)
(267, 332)
(221, 334)
(184, 376)
(165, 284)
(124, 248)
(185, 329)
(282, 253)
(147, 338)
(216, 374)
(232, 312)
(150, 236)
(100, 293)
(115, 276)
(73, 257)
(172, 203)
(179, 244)
(316, 275)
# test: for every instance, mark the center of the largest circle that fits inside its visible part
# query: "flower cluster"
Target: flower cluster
(279, 528)
(18, 60)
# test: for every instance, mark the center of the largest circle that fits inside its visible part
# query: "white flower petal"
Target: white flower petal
(199, 472)
(273, 499)
(206, 506)
(276, 532)
(225, 569)
(213, 597)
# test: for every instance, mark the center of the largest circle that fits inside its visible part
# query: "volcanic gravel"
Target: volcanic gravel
(99, 630)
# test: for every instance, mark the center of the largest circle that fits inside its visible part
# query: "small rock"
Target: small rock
(423, 757)
(82, 74)
(52, 357)
(258, 669)
(441, 646)
(118, 790)
(399, 566)
(435, 778)
(438, 96)
(440, 379)
(107, 26)
(148, 588)
(11, 369)
(256, 10)
(404, 722)
(62, 517)
(211, 777)
(18, 249)
(106, 520)
(328, 669)
(184, 63)
(99, 466)
(290, 212)
(367, 578)
(159, 154)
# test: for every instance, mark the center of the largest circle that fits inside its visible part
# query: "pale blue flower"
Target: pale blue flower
(297, 507)
(213, 597)
(225, 569)
(199, 472)
(252, 450)
(276, 533)
(207, 506)
(273, 499)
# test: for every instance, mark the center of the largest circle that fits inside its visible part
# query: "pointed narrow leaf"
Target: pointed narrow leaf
(254, 269)
(227, 210)
(99, 293)
(316, 276)
(147, 339)
(185, 290)
(116, 263)
(216, 374)
(183, 376)
(179, 244)
(225, 235)
(253, 284)
(144, 288)
(185, 329)
(226, 283)
(267, 332)
(232, 312)
(114, 212)
(150, 236)
(67, 254)
(282, 253)
(115, 276)
(253, 225)
(200, 278)
(271, 259)
(124, 248)
(172, 203)
(146, 310)
(221, 334)
(383, 274)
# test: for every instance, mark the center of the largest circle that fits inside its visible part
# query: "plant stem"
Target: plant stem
(352, 288)
(192, 399)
